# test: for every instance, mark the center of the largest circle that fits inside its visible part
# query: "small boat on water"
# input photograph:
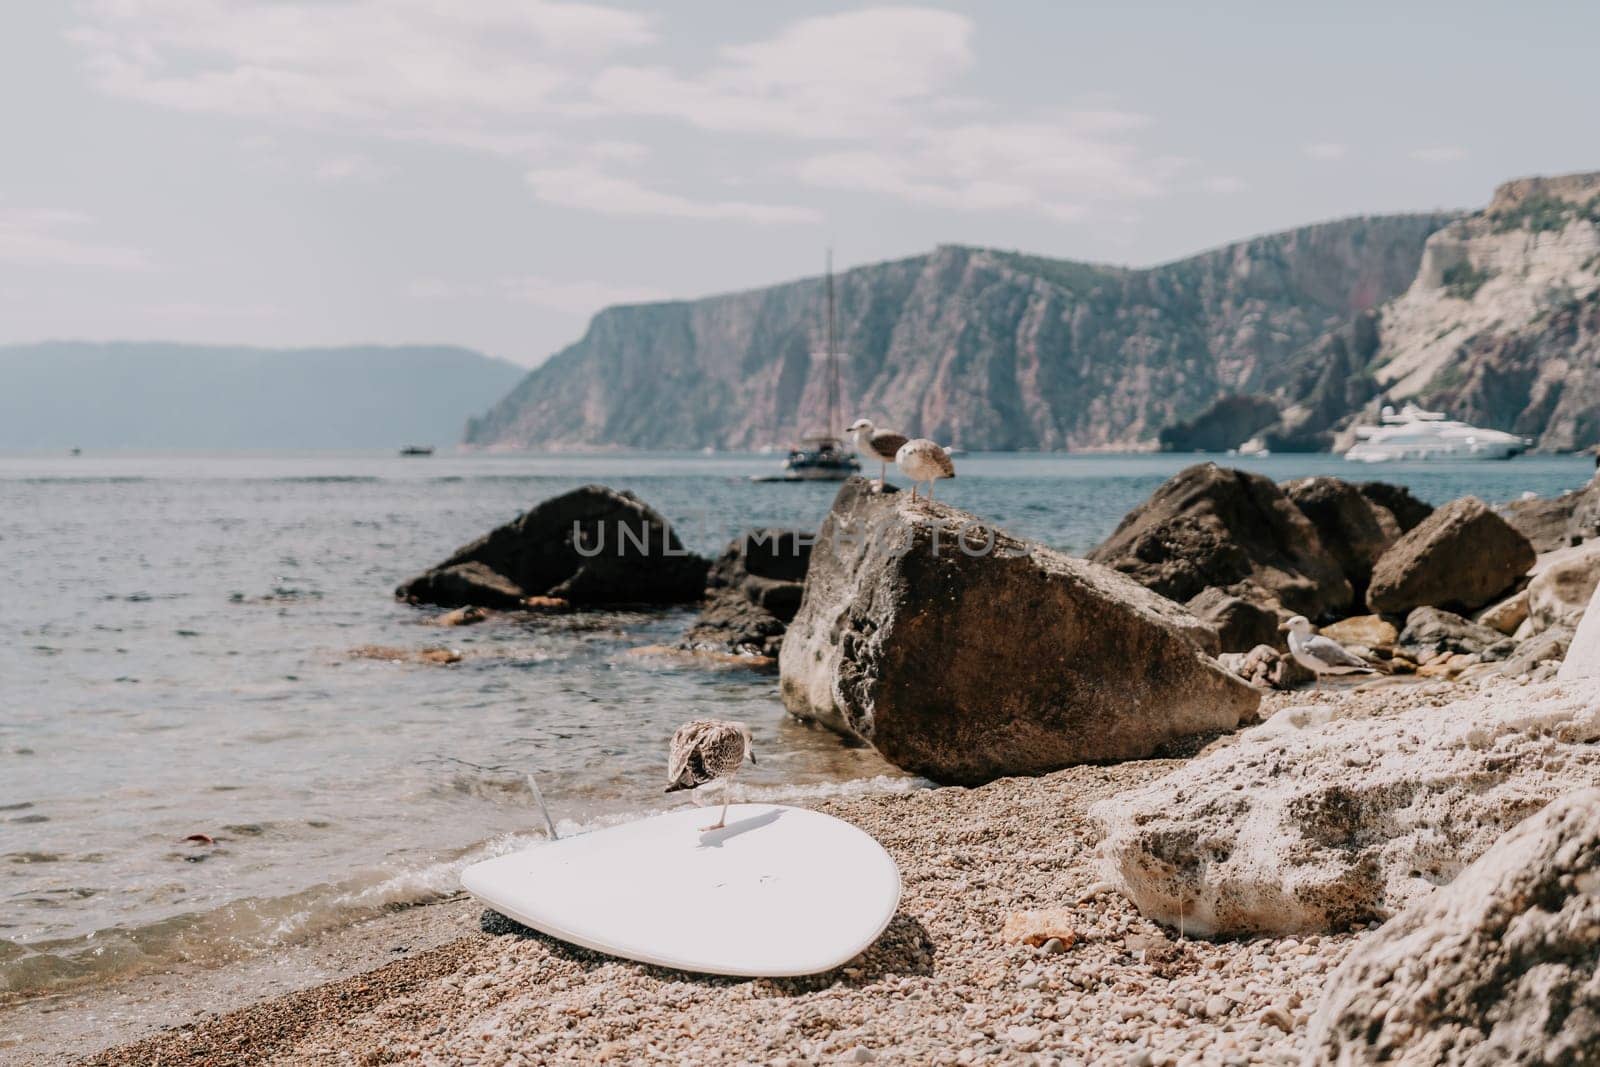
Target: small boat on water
(417, 450)
(1412, 434)
(822, 456)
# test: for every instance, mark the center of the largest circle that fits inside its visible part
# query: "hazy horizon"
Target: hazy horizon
(361, 173)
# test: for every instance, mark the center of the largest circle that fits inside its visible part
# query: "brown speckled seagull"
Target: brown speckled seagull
(706, 750)
(881, 445)
(923, 460)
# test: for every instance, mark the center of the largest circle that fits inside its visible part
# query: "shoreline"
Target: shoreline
(450, 981)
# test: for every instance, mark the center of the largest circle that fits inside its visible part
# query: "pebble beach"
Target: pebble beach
(1008, 947)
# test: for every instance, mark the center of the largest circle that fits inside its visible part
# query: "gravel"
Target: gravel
(944, 985)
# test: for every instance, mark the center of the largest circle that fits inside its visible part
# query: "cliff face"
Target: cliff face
(1501, 326)
(979, 348)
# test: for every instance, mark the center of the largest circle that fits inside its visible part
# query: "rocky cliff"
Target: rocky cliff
(980, 348)
(1501, 325)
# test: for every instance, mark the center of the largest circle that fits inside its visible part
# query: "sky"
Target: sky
(491, 172)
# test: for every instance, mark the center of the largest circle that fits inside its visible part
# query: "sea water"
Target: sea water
(177, 657)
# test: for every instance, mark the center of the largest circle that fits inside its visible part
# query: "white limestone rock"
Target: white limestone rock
(1318, 827)
(1499, 967)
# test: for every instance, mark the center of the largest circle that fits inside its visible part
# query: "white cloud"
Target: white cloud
(873, 95)
(576, 297)
(832, 76)
(1447, 153)
(1326, 150)
(51, 237)
(378, 64)
(1055, 168)
(590, 189)
(1225, 184)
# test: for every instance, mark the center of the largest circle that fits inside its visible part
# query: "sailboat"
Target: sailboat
(822, 456)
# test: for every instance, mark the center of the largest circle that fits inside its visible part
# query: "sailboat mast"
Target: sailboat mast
(832, 375)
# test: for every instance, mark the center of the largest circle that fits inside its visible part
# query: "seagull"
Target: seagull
(705, 750)
(1321, 655)
(923, 460)
(881, 445)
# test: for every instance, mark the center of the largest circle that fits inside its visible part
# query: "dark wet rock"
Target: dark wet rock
(1462, 557)
(469, 583)
(752, 592)
(1241, 624)
(1355, 531)
(1498, 967)
(964, 654)
(1431, 631)
(590, 546)
(1408, 511)
(1228, 423)
(1215, 527)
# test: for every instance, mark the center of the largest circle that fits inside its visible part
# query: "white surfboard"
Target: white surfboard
(779, 891)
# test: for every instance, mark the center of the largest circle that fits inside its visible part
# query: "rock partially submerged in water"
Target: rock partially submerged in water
(1462, 557)
(964, 654)
(1497, 967)
(1306, 825)
(752, 593)
(590, 546)
(1214, 527)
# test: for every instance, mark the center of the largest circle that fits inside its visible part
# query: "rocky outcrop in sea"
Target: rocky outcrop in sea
(590, 546)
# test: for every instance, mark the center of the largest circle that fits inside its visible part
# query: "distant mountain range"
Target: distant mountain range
(153, 395)
(1492, 316)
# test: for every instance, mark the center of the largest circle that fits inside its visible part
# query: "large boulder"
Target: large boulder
(1308, 825)
(1354, 530)
(1551, 523)
(1240, 624)
(1498, 967)
(1407, 511)
(1562, 584)
(964, 654)
(1461, 557)
(590, 546)
(752, 592)
(1214, 527)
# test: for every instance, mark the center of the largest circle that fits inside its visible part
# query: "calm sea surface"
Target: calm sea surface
(175, 658)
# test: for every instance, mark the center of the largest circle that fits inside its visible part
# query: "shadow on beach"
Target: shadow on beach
(904, 948)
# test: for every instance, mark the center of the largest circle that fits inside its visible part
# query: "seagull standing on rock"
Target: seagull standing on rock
(923, 460)
(881, 445)
(1321, 655)
(706, 750)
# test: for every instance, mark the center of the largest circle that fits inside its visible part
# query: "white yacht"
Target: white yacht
(1413, 434)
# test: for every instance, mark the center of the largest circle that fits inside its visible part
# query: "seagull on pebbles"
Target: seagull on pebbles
(1321, 655)
(707, 750)
(923, 460)
(881, 445)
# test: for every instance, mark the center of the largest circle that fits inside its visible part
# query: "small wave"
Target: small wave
(83, 480)
(255, 924)
(326, 479)
(237, 929)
